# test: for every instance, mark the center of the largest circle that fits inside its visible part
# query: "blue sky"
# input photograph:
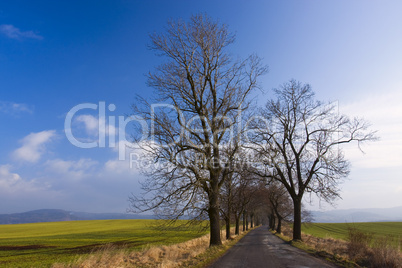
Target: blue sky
(55, 55)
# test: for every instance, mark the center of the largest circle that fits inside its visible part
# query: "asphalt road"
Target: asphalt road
(260, 248)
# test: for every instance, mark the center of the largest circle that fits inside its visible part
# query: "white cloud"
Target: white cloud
(18, 194)
(13, 183)
(33, 146)
(81, 185)
(384, 112)
(13, 108)
(372, 188)
(14, 33)
(375, 175)
(88, 185)
(91, 123)
(95, 127)
(121, 167)
(71, 170)
(8, 179)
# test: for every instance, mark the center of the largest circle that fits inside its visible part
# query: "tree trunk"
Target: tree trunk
(297, 219)
(272, 221)
(252, 220)
(244, 221)
(237, 231)
(279, 217)
(227, 222)
(213, 213)
(279, 227)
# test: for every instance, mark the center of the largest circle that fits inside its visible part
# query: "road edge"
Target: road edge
(324, 255)
(214, 253)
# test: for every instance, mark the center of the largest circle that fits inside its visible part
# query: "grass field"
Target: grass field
(340, 230)
(42, 244)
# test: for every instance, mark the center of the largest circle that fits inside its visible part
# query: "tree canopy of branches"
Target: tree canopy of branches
(203, 92)
(298, 141)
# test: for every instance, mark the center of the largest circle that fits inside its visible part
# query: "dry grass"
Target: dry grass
(358, 246)
(336, 247)
(371, 251)
(151, 256)
(362, 249)
(384, 253)
(333, 249)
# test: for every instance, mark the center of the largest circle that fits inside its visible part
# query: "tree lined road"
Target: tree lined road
(260, 248)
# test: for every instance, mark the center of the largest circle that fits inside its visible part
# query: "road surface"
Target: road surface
(260, 248)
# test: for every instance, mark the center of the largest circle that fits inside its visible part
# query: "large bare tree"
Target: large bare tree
(298, 142)
(202, 92)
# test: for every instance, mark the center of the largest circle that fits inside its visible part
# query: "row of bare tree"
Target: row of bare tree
(216, 155)
(254, 201)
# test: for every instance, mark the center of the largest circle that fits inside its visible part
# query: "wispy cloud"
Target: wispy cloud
(8, 179)
(13, 108)
(384, 112)
(14, 33)
(33, 146)
(19, 194)
(71, 170)
(91, 123)
(80, 184)
(95, 126)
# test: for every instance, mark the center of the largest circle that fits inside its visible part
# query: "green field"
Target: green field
(340, 230)
(42, 244)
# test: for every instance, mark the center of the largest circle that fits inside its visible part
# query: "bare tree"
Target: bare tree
(203, 92)
(280, 203)
(230, 179)
(242, 194)
(298, 143)
(238, 187)
(257, 201)
(227, 200)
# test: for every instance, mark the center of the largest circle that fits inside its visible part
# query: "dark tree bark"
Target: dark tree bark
(237, 229)
(244, 221)
(279, 226)
(271, 220)
(214, 216)
(227, 224)
(297, 219)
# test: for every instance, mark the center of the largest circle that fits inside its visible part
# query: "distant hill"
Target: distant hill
(358, 215)
(52, 215)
